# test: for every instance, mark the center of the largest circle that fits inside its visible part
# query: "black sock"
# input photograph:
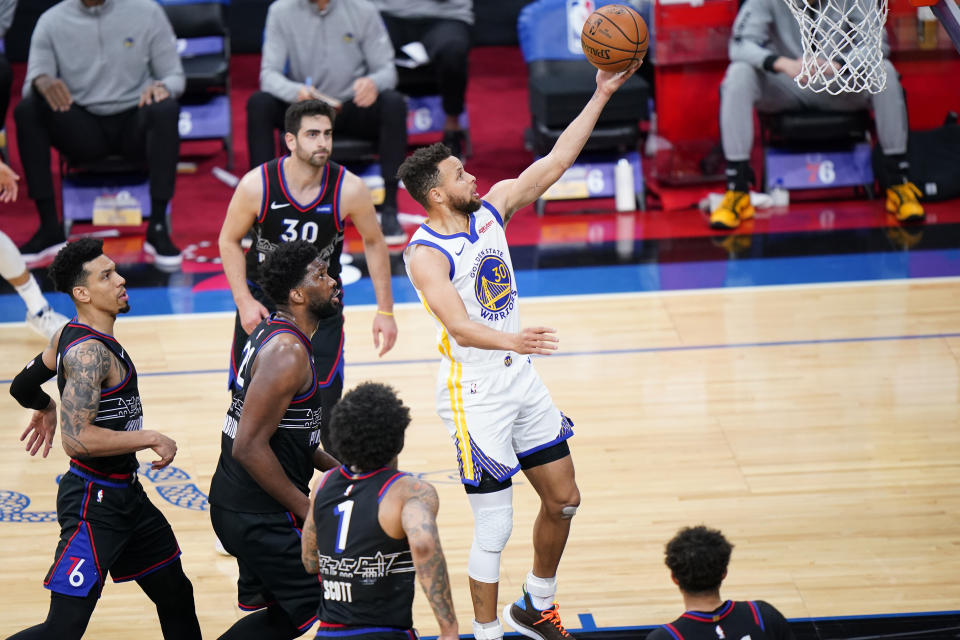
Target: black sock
(738, 175)
(896, 168)
(158, 212)
(47, 208)
(390, 194)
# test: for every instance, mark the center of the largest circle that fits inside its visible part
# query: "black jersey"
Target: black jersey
(283, 219)
(368, 577)
(294, 441)
(756, 620)
(120, 408)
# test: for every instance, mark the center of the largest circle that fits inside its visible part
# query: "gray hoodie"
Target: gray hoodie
(332, 48)
(107, 54)
(765, 28)
(461, 10)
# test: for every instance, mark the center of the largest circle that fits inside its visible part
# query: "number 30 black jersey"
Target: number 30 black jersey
(283, 219)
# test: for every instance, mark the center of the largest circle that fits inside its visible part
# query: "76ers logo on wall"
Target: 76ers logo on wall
(493, 287)
(577, 13)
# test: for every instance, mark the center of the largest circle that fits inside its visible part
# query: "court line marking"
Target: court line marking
(610, 352)
(528, 299)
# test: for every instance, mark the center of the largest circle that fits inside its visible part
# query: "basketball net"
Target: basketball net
(842, 45)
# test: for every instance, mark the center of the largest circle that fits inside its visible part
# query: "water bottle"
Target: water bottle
(624, 195)
(779, 195)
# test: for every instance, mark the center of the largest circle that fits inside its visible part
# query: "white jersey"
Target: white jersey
(482, 273)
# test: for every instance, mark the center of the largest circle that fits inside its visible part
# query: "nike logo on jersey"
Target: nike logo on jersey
(121, 354)
(462, 248)
(274, 205)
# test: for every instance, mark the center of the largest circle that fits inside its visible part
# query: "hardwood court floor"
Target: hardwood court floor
(817, 426)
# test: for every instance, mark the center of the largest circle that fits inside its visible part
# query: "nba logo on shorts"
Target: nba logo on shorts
(577, 13)
(100, 496)
(473, 387)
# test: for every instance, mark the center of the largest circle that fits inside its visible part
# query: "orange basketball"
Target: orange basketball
(613, 37)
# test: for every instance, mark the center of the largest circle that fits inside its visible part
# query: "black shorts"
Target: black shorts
(106, 525)
(327, 346)
(267, 549)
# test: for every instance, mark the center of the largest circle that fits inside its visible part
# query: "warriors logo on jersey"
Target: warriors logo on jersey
(493, 286)
(482, 274)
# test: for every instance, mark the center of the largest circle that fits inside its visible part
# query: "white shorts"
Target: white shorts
(497, 414)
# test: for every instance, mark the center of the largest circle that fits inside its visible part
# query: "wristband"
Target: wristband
(385, 313)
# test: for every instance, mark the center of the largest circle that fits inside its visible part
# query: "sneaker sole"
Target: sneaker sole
(518, 627)
(907, 219)
(49, 251)
(720, 226)
(166, 261)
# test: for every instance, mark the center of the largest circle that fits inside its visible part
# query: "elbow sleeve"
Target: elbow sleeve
(25, 388)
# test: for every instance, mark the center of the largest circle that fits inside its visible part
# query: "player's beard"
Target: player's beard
(311, 158)
(466, 206)
(125, 308)
(328, 307)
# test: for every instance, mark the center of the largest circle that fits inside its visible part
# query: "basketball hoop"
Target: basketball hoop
(842, 45)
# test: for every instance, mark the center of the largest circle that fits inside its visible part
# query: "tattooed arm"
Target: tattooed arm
(308, 537)
(418, 517)
(86, 367)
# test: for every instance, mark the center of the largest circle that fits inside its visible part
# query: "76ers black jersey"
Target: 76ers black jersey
(283, 219)
(368, 577)
(294, 441)
(731, 621)
(119, 409)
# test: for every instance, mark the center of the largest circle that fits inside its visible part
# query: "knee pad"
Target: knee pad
(568, 512)
(492, 519)
(492, 525)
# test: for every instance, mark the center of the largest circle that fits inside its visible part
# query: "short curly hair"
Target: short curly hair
(297, 111)
(66, 271)
(420, 171)
(367, 426)
(285, 268)
(698, 558)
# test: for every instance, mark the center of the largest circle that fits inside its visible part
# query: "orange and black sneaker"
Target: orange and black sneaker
(734, 208)
(531, 622)
(903, 202)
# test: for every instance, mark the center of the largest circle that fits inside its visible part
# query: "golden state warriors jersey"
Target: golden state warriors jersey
(482, 273)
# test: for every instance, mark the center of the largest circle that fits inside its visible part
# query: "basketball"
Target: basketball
(613, 37)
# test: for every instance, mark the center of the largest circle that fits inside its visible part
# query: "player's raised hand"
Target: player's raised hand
(166, 448)
(610, 81)
(539, 340)
(42, 427)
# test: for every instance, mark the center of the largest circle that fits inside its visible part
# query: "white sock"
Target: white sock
(32, 296)
(11, 262)
(541, 591)
(488, 630)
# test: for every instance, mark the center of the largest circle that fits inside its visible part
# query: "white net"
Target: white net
(842, 45)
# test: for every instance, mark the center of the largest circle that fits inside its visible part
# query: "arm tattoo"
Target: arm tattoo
(308, 546)
(85, 366)
(420, 524)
